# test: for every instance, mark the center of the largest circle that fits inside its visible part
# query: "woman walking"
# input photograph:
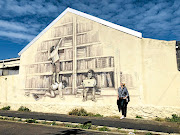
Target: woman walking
(123, 99)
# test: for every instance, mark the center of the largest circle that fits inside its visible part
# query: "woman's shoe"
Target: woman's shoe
(122, 117)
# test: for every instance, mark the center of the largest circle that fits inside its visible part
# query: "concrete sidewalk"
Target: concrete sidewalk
(137, 124)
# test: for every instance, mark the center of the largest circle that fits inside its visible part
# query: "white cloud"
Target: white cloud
(12, 26)
(20, 8)
(16, 35)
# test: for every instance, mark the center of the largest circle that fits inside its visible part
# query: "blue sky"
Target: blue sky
(22, 20)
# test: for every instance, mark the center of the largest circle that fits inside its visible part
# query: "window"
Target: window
(178, 54)
(9, 71)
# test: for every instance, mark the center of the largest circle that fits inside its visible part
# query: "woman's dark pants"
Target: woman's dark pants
(122, 105)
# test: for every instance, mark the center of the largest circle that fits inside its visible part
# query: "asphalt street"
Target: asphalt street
(14, 128)
(137, 124)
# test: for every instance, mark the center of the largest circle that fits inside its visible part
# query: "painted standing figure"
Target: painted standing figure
(55, 84)
(123, 99)
(89, 85)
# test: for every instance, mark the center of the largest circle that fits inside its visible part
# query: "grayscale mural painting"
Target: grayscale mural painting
(70, 62)
(79, 61)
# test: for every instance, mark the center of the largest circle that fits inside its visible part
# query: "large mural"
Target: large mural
(70, 62)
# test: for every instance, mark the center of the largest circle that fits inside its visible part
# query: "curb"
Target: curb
(64, 124)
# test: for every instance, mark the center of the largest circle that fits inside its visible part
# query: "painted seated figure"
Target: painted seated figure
(89, 85)
(56, 86)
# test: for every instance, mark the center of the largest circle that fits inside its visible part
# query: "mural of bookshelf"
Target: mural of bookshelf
(79, 51)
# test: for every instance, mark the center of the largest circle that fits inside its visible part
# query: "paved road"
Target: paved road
(125, 123)
(14, 128)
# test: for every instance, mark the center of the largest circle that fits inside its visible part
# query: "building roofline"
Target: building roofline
(93, 18)
(12, 59)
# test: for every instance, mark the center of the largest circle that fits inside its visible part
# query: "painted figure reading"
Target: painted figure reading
(89, 85)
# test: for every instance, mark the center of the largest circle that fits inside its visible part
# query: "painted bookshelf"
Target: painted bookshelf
(79, 51)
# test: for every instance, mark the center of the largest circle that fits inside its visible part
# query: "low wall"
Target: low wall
(148, 112)
(106, 105)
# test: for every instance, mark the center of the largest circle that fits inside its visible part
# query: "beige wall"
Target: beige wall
(9, 89)
(148, 68)
(127, 53)
(160, 74)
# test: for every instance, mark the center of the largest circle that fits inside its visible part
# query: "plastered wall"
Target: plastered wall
(148, 68)
(10, 92)
(160, 74)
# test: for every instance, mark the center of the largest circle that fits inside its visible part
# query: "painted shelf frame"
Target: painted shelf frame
(75, 59)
